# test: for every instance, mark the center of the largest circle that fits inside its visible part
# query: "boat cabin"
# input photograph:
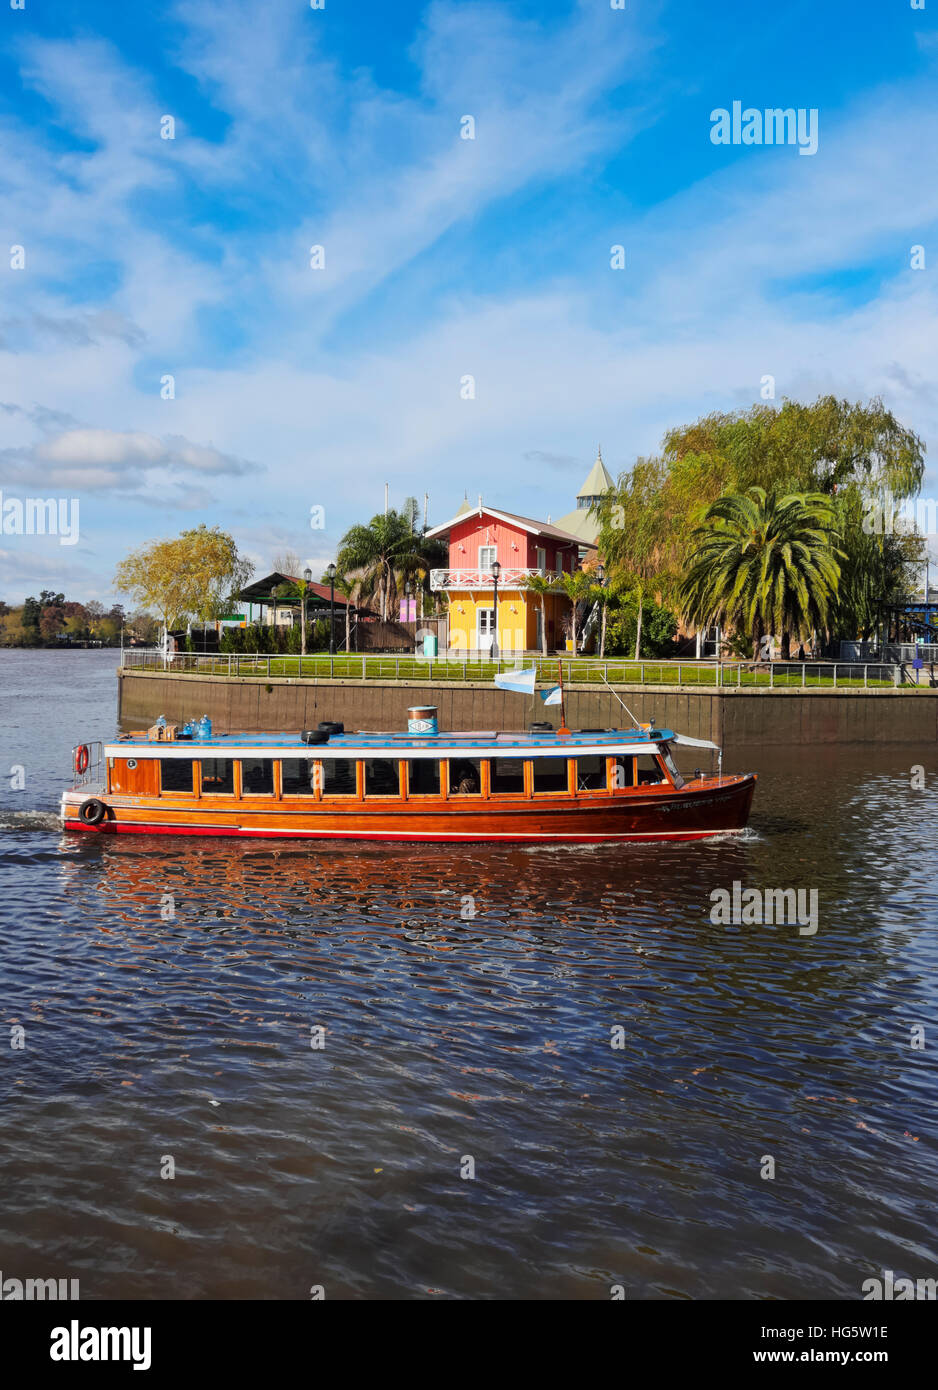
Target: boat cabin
(351, 767)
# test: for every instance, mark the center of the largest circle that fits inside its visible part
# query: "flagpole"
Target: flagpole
(563, 712)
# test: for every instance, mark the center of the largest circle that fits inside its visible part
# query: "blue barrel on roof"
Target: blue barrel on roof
(421, 719)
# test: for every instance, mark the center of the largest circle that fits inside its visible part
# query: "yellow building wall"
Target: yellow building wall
(517, 620)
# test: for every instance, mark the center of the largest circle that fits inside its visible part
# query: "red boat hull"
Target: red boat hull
(708, 806)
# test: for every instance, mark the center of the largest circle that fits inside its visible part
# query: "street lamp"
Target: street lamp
(273, 609)
(331, 573)
(601, 573)
(496, 571)
(307, 576)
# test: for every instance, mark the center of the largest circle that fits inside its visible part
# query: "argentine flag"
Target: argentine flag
(522, 682)
(552, 696)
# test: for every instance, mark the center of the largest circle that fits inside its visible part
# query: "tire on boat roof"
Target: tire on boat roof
(542, 726)
(331, 726)
(314, 736)
(92, 811)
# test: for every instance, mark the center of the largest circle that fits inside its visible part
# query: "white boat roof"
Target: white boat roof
(363, 744)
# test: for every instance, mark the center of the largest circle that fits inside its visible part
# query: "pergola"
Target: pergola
(260, 591)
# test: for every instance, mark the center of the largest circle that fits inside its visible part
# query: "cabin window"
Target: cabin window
(217, 776)
(507, 775)
(257, 777)
(671, 765)
(487, 555)
(176, 774)
(465, 777)
(550, 774)
(623, 773)
(649, 770)
(381, 777)
(338, 777)
(423, 776)
(591, 774)
(298, 776)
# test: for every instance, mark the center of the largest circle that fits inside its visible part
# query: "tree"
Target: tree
(348, 588)
(764, 563)
(659, 625)
(821, 447)
(541, 585)
(144, 628)
(288, 562)
(385, 554)
(639, 540)
(875, 569)
(194, 575)
(578, 588)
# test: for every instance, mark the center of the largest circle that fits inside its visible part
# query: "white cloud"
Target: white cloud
(102, 459)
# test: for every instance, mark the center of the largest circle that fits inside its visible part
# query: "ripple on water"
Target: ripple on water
(470, 1002)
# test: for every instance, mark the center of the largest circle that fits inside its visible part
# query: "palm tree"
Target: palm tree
(764, 562)
(578, 587)
(349, 587)
(541, 585)
(387, 552)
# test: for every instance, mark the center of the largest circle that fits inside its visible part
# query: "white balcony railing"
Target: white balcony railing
(509, 578)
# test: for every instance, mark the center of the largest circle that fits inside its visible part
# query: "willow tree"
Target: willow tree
(640, 533)
(878, 568)
(764, 563)
(194, 576)
(825, 447)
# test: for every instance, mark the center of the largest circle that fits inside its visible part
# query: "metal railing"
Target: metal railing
(93, 774)
(511, 577)
(725, 675)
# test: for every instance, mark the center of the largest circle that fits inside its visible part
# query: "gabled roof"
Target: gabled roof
(258, 591)
(526, 523)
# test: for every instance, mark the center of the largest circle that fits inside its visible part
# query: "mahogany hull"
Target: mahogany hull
(708, 806)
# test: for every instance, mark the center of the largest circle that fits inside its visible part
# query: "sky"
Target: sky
(173, 352)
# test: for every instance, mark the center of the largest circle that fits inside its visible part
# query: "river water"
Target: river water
(618, 1070)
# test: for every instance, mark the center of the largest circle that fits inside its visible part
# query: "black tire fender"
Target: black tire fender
(92, 811)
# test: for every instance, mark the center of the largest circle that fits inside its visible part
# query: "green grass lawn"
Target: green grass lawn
(576, 671)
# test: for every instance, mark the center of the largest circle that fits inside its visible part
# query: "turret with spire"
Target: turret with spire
(595, 485)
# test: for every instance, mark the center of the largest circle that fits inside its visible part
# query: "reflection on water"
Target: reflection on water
(171, 992)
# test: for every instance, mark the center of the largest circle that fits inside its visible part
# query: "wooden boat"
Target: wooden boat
(581, 786)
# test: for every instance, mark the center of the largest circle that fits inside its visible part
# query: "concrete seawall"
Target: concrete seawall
(734, 718)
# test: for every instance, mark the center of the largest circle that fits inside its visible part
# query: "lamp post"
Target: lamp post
(307, 576)
(496, 571)
(601, 575)
(331, 573)
(273, 609)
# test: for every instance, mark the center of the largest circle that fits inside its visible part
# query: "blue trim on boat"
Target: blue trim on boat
(423, 741)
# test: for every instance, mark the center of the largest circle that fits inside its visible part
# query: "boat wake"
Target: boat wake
(29, 820)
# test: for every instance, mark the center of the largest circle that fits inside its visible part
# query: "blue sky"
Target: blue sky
(444, 257)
